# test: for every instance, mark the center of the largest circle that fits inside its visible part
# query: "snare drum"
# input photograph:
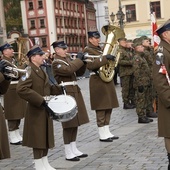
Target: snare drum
(64, 106)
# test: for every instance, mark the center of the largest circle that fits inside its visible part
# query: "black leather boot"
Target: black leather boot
(169, 161)
(128, 106)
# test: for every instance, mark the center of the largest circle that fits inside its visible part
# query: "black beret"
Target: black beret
(164, 27)
(35, 51)
(60, 44)
(94, 34)
(5, 46)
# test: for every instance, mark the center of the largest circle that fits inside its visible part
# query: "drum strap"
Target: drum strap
(73, 83)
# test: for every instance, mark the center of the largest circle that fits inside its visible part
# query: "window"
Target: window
(42, 23)
(40, 4)
(44, 42)
(106, 12)
(132, 9)
(32, 23)
(30, 4)
(156, 8)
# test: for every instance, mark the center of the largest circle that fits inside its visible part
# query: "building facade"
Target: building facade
(46, 21)
(2, 24)
(102, 15)
(140, 22)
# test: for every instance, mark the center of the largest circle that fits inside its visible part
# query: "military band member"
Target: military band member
(65, 70)
(4, 143)
(161, 72)
(14, 106)
(103, 96)
(38, 131)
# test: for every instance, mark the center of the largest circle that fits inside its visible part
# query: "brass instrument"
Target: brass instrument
(20, 48)
(86, 56)
(112, 34)
(12, 71)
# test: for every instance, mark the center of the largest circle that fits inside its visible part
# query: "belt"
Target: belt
(73, 83)
(14, 82)
(92, 73)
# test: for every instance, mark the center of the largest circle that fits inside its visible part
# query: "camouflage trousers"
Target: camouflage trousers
(128, 92)
(141, 101)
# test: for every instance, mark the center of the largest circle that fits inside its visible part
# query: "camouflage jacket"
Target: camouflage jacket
(141, 71)
(125, 62)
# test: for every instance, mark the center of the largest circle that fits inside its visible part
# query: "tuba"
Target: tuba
(112, 34)
(21, 48)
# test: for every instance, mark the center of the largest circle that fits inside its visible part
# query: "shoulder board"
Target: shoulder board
(61, 61)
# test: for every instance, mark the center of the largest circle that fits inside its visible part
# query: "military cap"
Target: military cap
(5, 46)
(129, 41)
(35, 51)
(94, 34)
(137, 42)
(122, 39)
(164, 27)
(144, 37)
(60, 44)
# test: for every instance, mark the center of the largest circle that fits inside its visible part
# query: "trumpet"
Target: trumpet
(86, 56)
(12, 71)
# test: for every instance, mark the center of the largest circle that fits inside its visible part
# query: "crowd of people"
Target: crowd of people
(140, 71)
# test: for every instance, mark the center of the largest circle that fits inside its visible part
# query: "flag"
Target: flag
(156, 39)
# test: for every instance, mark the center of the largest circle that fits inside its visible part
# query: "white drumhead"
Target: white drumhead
(62, 103)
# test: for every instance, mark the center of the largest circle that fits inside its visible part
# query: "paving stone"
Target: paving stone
(138, 147)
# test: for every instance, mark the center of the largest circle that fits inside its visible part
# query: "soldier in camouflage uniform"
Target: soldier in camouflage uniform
(141, 81)
(149, 53)
(126, 73)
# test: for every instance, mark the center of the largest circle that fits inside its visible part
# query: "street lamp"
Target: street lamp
(112, 17)
(121, 16)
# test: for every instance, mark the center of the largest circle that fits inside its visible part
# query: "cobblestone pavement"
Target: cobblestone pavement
(138, 147)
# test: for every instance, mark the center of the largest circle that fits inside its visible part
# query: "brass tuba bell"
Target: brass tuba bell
(111, 46)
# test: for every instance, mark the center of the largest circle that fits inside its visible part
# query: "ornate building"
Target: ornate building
(45, 21)
(140, 22)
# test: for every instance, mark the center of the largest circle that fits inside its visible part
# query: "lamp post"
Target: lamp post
(121, 16)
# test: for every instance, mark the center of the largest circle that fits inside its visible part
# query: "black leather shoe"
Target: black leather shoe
(73, 159)
(151, 120)
(82, 156)
(114, 137)
(128, 106)
(17, 143)
(152, 115)
(143, 120)
(106, 140)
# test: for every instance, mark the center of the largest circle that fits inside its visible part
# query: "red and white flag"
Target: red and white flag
(156, 39)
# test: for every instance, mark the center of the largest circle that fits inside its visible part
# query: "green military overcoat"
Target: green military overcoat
(38, 126)
(66, 70)
(163, 90)
(4, 143)
(102, 94)
(14, 106)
